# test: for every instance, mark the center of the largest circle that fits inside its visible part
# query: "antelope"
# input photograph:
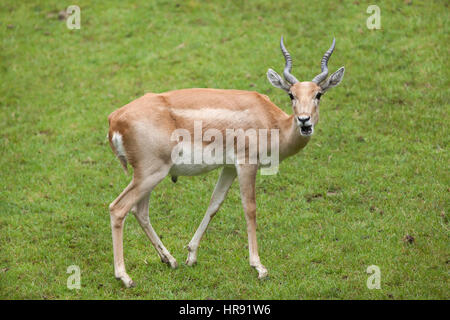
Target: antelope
(140, 134)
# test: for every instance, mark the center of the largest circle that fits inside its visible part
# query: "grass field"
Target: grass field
(375, 174)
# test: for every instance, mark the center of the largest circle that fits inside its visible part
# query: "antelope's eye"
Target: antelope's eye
(318, 95)
(291, 96)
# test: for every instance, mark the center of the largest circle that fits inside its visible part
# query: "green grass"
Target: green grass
(376, 170)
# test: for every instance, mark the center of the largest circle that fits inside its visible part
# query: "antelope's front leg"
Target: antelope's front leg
(247, 181)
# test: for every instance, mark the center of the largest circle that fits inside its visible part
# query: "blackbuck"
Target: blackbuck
(141, 133)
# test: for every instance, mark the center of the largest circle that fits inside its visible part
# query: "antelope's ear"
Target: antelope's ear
(277, 81)
(333, 80)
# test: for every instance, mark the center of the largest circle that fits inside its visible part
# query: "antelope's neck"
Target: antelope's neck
(291, 141)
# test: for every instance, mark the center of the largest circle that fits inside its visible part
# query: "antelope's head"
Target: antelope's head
(305, 96)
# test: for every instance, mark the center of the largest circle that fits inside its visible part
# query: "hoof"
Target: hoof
(192, 257)
(127, 281)
(262, 272)
(171, 262)
(263, 276)
(190, 262)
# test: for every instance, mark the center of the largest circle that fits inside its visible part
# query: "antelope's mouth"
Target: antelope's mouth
(306, 130)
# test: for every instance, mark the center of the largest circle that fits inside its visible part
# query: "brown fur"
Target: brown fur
(160, 110)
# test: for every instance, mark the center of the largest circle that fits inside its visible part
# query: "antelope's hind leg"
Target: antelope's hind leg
(220, 191)
(141, 213)
(140, 186)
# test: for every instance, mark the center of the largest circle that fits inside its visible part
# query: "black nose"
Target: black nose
(303, 119)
